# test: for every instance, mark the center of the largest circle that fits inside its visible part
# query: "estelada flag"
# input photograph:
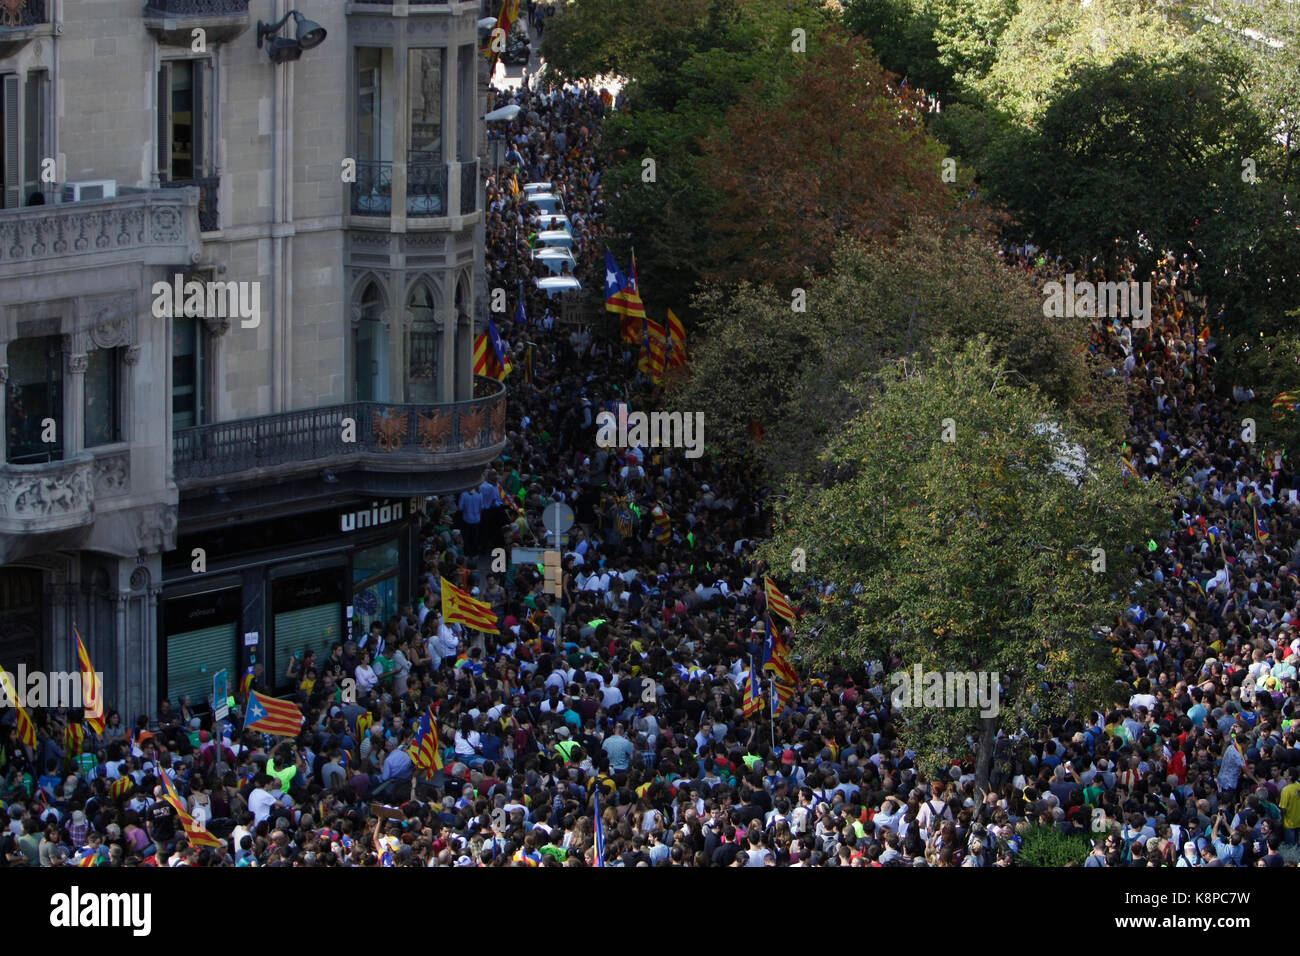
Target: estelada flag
(753, 696)
(653, 351)
(776, 656)
(458, 607)
(776, 601)
(266, 715)
(92, 691)
(490, 358)
(428, 756)
(26, 729)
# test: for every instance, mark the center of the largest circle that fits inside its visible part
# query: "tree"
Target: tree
(877, 305)
(975, 554)
(840, 150)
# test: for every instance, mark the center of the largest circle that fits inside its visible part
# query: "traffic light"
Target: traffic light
(552, 584)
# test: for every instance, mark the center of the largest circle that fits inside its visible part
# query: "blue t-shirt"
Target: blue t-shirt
(471, 506)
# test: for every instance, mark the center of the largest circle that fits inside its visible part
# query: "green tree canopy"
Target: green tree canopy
(975, 554)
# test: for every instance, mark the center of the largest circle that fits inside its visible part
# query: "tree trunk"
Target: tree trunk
(984, 754)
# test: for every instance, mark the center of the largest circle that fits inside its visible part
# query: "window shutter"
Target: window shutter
(312, 628)
(200, 118)
(13, 143)
(164, 123)
(194, 656)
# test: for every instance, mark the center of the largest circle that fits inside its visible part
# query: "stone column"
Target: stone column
(447, 356)
(74, 405)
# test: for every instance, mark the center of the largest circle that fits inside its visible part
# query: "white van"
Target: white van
(556, 238)
(555, 259)
(558, 285)
(547, 202)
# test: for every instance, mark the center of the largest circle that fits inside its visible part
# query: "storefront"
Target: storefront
(274, 589)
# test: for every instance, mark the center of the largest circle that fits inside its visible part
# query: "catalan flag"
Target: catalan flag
(505, 22)
(1126, 468)
(266, 715)
(195, 832)
(121, 787)
(74, 736)
(1261, 529)
(783, 695)
(1213, 533)
(26, 729)
(753, 696)
(676, 341)
(1285, 402)
(92, 690)
(490, 356)
(514, 185)
(653, 350)
(776, 656)
(428, 756)
(623, 297)
(94, 858)
(458, 607)
(1197, 586)
(776, 602)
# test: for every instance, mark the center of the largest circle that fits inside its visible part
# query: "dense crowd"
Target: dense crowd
(623, 696)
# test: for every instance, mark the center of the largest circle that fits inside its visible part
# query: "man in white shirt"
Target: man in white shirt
(261, 801)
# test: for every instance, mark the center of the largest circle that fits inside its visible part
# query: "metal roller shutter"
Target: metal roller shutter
(312, 628)
(187, 655)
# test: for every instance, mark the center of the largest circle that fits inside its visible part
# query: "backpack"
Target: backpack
(623, 518)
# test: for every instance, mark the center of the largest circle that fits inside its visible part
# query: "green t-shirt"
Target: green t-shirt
(285, 775)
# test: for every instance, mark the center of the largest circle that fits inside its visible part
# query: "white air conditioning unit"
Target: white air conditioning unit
(89, 189)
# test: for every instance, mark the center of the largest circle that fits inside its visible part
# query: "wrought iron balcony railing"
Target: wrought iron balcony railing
(408, 434)
(468, 187)
(426, 188)
(209, 187)
(30, 14)
(372, 193)
(199, 8)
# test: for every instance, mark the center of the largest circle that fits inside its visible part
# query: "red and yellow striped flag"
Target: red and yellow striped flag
(676, 342)
(195, 832)
(26, 729)
(121, 787)
(266, 715)
(776, 601)
(458, 607)
(654, 350)
(92, 689)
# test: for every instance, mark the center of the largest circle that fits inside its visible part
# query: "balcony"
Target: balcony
(426, 188)
(469, 188)
(153, 226)
(50, 498)
(387, 437)
(172, 21)
(209, 188)
(19, 27)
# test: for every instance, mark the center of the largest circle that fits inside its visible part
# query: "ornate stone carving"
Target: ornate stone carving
(78, 363)
(44, 232)
(47, 494)
(139, 579)
(217, 325)
(111, 322)
(132, 355)
(156, 530)
(112, 475)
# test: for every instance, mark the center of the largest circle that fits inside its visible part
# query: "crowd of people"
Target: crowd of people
(619, 704)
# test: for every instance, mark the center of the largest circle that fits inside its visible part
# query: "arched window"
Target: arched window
(423, 345)
(370, 349)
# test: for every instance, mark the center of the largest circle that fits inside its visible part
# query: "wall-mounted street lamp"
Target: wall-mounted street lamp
(308, 35)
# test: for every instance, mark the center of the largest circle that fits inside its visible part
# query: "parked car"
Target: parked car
(555, 259)
(517, 50)
(558, 285)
